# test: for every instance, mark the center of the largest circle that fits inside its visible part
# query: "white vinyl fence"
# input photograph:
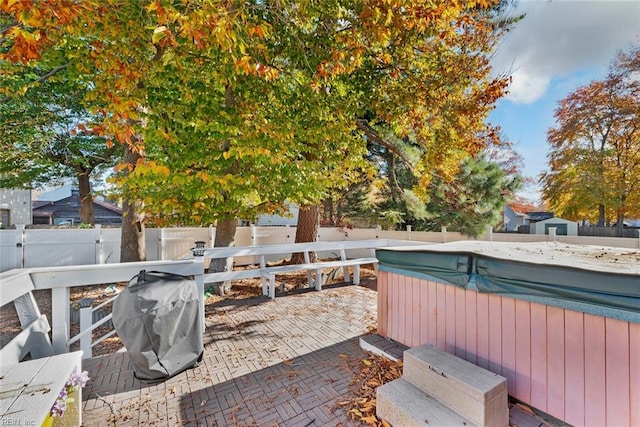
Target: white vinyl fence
(26, 248)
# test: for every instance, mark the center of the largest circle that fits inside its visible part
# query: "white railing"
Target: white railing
(24, 248)
(17, 287)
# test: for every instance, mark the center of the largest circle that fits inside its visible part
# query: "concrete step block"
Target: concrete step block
(402, 404)
(469, 390)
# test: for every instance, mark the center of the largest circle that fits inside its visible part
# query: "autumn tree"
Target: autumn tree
(594, 162)
(228, 109)
(78, 38)
(46, 134)
(425, 78)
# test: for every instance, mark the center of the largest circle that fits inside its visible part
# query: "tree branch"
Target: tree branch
(7, 28)
(375, 137)
(42, 78)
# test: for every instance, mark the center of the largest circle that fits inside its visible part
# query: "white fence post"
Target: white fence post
(198, 258)
(254, 235)
(211, 236)
(408, 232)
(99, 245)
(552, 234)
(378, 231)
(161, 244)
(443, 231)
(20, 245)
(490, 234)
(86, 322)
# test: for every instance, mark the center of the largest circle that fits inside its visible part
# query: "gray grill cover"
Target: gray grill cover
(159, 320)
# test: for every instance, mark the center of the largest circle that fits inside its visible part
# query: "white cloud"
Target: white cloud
(525, 88)
(557, 38)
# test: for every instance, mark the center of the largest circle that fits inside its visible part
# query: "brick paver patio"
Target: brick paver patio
(284, 362)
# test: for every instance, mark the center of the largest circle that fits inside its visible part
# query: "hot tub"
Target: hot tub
(561, 322)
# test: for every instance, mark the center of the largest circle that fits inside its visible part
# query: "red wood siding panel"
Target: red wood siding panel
(509, 341)
(417, 310)
(594, 366)
(523, 352)
(471, 349)
(461, 319)
(441, 311)
(383, 300)
(450, 320)
(539, 356)
(425, 311)
(495, 334)
(404, 308)
(393, 307)
(617, 371)
(482, 311)
(575, 366)
(555, 362)
(634, 368)
(433, 312)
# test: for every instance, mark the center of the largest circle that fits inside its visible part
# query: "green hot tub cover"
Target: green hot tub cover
(603, 276)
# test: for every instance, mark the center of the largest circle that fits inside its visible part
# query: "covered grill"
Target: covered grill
(159, 319)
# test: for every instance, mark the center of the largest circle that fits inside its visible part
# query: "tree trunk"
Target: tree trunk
(306, 230)
(86, 198)
(225, 237)
(132, 246)
(620, 225)
(225, 229)
(601, 215)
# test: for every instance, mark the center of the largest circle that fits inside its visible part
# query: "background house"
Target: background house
(279, 220)
(563, 227)
(64, 209)
(512, 219)
(15, 207)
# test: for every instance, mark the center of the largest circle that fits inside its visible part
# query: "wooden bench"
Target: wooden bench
(28, 389)
(268, 273)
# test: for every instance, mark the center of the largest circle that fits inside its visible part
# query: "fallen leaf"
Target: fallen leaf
(525, 408)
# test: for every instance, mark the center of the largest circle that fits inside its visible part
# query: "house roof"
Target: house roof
(38, 205)
(108, 205)
(539, 216)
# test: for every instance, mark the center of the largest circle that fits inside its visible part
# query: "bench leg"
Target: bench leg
(265, 286)
(318, 280)
(309, 279)
(345, 271)
(272, 286)
(356, 274)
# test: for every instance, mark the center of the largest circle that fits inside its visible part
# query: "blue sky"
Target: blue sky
(558, 47)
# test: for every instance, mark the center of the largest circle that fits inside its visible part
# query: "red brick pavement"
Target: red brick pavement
(284, 362)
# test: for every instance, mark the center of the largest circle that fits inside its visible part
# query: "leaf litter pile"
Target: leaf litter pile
(370, 373)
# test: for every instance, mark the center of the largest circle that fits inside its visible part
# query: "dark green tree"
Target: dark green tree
(471, 202)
